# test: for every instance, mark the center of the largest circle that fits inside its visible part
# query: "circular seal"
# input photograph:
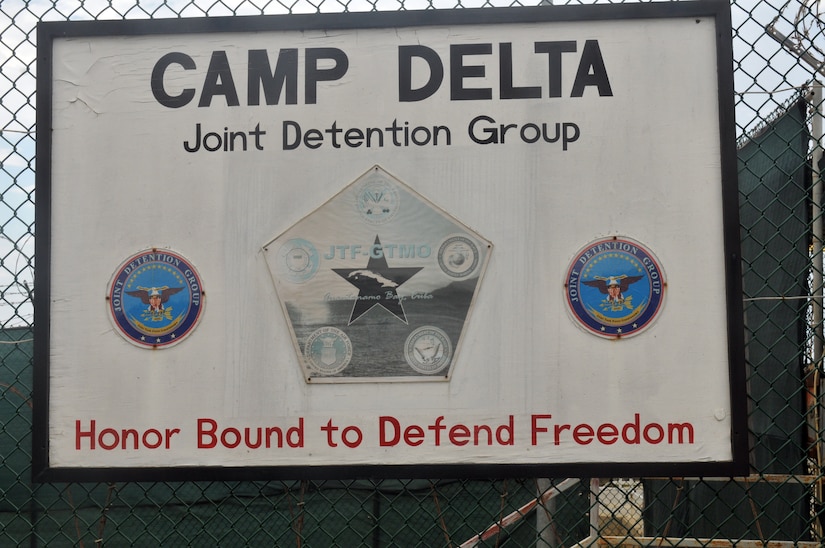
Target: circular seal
(428, 350)
(155, 298)
(298, 260)
(328, 350)
(615, 287)
(377, 200)
(458, 256)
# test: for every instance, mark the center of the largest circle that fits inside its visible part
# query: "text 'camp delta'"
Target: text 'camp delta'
(274, 78)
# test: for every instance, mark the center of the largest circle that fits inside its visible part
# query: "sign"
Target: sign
(417, 244)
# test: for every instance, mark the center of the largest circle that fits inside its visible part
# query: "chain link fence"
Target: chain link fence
(779, 50)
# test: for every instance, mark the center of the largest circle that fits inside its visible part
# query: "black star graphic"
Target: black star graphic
(377, 284)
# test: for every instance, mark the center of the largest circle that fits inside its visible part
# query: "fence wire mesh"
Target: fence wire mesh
(779, 52)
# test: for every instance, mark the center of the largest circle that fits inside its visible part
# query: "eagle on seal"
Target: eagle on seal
(145, 293)
(609, 285)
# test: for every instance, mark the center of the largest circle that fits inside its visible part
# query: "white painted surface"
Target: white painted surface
(646, 166)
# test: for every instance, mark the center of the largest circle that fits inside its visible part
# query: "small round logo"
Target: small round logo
(298, 260)
(328, 351)
(615, 287)
(428, 350)
(155, 298)
(458, 256)
(377, 201)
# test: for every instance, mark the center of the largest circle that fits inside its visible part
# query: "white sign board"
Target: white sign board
(476, 242)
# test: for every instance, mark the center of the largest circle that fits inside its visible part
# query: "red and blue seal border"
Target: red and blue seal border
(577, 306)
(194, 286)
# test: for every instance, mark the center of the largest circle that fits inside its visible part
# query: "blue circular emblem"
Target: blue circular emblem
(155, 298)
(615, 287)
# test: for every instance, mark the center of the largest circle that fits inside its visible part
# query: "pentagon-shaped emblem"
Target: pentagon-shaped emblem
(377, 284)
(615, 287)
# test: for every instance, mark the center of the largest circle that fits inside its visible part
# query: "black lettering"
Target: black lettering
(291, 144)
(505, 69)
(285, 77)
(314, 74)
(491, 135)
(197, 140)
(219, 70)
(162, 97)
(591, 72)
(405, 55)
(554, 51)
(459, 71)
